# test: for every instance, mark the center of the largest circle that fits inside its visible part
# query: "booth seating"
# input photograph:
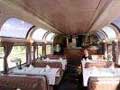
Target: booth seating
(16, 82)
(99, 72)
(104, 83)
(51, 56)
(50, 73)
(44, 63)
(99, 64)
(60, 60)
(52, 63)
(97, 68)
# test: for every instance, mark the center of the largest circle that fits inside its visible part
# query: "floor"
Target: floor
(71, 80)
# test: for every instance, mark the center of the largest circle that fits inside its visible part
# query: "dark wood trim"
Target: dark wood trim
(10, 37)
(45, 35)
(28, 54)
(29, 31)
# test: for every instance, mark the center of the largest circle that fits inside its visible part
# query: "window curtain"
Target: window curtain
(105, 50)
(115, 52)
(28, 54)
(34, 52)
(7, 49)
(44, 50)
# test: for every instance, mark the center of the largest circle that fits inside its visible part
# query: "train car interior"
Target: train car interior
(59, 45)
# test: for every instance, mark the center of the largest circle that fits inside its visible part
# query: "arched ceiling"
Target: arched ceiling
(109, 14)
(71, 16)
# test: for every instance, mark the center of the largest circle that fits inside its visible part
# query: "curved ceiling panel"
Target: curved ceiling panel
(67, 16)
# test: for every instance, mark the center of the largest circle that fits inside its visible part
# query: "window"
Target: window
(17, 52)
(19, 27)
(32, 52)
(50, 37)
(101, 34)
(39, 50)
(48, 49)
(117, 23)
(38, 34)
(110, 32)
(1, 58)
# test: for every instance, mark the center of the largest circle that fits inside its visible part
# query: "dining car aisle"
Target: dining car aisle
(71, 80)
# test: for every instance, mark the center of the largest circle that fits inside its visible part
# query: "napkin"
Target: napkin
(30, 67)
(60, 59)
(47, 59)
(47, 68)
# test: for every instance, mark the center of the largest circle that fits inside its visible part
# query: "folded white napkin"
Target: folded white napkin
(60, 59)
(47, 68)
(47, 59)
(31, 67)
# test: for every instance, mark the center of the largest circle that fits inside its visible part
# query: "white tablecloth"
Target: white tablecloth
(51, 73)
(99, 72)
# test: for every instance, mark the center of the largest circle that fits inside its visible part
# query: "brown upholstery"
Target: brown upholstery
(99, 64)
(51, 56)
(23, 83)
(44, 63)
(104, 83)
(52, 65)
